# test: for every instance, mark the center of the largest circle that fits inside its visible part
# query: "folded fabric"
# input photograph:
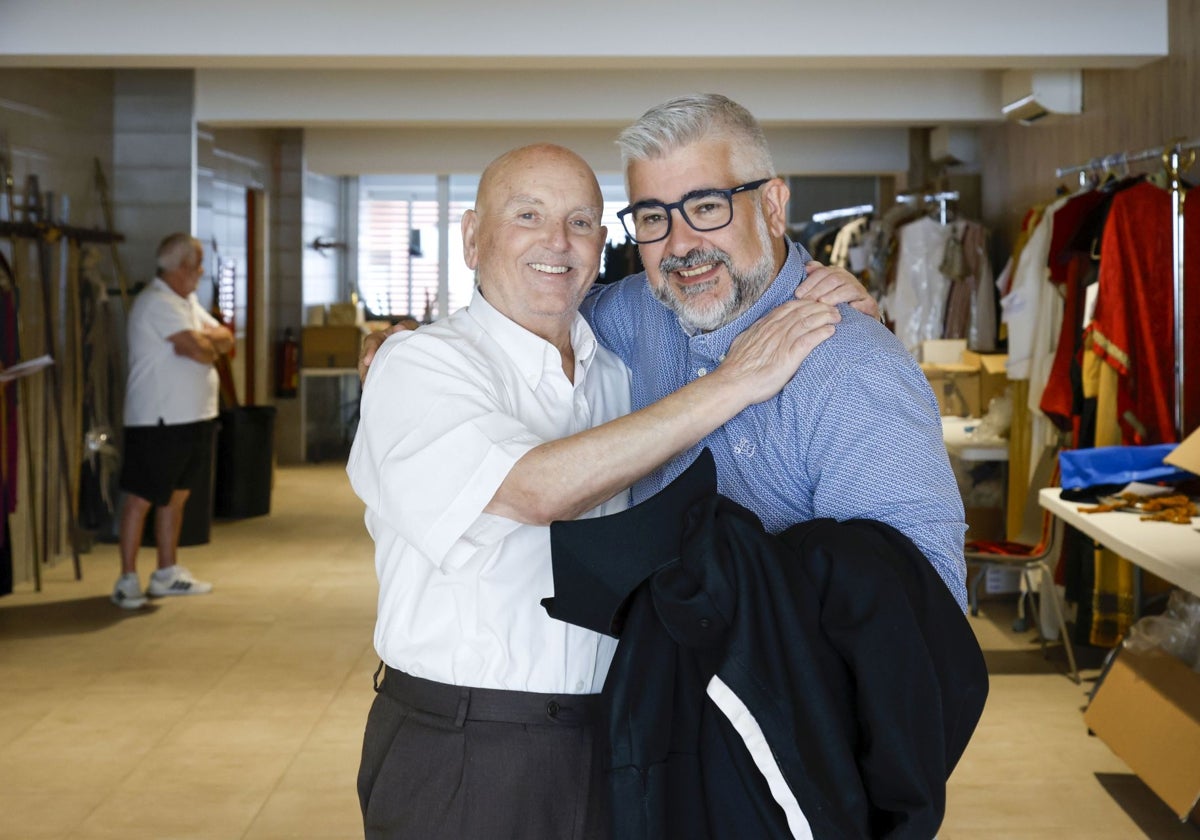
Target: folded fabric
(1117, 465)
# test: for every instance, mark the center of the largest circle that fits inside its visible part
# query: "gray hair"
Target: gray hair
(175, 250)
(689, 119)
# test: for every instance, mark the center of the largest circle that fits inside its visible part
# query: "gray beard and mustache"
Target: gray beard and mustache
(746, 286)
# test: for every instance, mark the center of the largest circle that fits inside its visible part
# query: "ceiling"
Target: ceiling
(836, 84)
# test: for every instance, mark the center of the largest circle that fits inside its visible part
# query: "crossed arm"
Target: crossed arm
(202, 345)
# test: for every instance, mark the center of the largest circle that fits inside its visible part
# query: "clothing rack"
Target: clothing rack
(942, 199)
(1172, 158)
(828, 215)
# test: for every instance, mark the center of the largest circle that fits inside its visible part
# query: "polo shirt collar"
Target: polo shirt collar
(161, 285)
(531, 354)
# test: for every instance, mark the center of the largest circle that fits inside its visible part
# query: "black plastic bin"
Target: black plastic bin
(245, 460)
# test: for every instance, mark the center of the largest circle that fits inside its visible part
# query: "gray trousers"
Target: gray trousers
(446, 761)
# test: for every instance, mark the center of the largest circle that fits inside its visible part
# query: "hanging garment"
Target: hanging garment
(1067, 268)
(971, 305)
(821, 244)
(822, 683)
(1020, 432)
(881, 247)
(916, 303)
(958, 299)
(981, 334)
(848, 237)
(1021, 306)
(1106, 609)
(1135, 310)
(1033, 313)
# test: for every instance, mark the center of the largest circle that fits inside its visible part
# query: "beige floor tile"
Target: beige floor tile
(45, 814)
(248, 705)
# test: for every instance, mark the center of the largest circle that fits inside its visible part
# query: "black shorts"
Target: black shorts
(161, 459)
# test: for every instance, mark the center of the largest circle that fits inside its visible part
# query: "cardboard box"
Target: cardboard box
(943, 351)
(1186, 455)
(1147, 710)
(964, 382)
(345, 314)
(330, 346)
(993, 375)
(956, 387)
(315, 315)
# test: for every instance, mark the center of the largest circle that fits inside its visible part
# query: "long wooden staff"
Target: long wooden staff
(44, 276)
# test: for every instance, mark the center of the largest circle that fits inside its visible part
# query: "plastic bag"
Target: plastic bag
(994, 425)
(1177, 630)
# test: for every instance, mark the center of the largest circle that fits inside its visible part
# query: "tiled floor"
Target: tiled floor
(240, 714)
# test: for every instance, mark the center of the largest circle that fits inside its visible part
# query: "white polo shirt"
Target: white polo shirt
(163, 386)
(446, 413)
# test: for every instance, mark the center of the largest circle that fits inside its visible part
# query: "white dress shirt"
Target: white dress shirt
(446, 413)
(163, 386)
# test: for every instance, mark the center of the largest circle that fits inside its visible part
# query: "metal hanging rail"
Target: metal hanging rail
(928, 198)
(860, 210)
(1123, 158)
(1175, 163)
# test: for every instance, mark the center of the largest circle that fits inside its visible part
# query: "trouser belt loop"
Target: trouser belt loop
(375, 677)
(464, 706)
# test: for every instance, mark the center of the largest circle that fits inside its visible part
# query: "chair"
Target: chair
(1040, 539)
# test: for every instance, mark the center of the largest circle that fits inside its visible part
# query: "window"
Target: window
(399, 242)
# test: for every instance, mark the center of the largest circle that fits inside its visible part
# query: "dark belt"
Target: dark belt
(463, 703)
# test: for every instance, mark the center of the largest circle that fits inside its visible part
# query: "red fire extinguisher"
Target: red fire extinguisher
(287, 365)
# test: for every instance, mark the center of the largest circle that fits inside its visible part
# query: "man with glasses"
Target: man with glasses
(856, 433)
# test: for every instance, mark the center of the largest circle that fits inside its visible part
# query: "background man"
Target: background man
(170, 411)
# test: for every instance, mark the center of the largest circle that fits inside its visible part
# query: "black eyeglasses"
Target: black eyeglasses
(703, 210)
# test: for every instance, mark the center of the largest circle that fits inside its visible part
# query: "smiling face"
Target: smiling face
(535, 238)
(709, 278)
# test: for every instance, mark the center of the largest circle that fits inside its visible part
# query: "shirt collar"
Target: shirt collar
(162, 286)
(780, 291)
(531, 353)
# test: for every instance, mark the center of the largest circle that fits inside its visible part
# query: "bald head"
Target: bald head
(508, 172)
(535, 236)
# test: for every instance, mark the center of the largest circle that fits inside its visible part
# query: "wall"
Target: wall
(229, 163)
(323, 282)
(1125, 110)
(154, 163)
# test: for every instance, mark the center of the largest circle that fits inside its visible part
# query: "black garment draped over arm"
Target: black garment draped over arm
(838, 639)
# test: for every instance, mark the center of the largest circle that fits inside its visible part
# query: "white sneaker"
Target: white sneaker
(175, 580)
(127, 594)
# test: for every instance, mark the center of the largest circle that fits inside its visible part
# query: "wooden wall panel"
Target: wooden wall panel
(1123, 110)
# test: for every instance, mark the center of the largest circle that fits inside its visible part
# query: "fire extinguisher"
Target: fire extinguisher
(287, 365)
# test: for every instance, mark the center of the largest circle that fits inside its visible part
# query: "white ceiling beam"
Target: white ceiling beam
(446, 150)
(616, 33)
(227, 98)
